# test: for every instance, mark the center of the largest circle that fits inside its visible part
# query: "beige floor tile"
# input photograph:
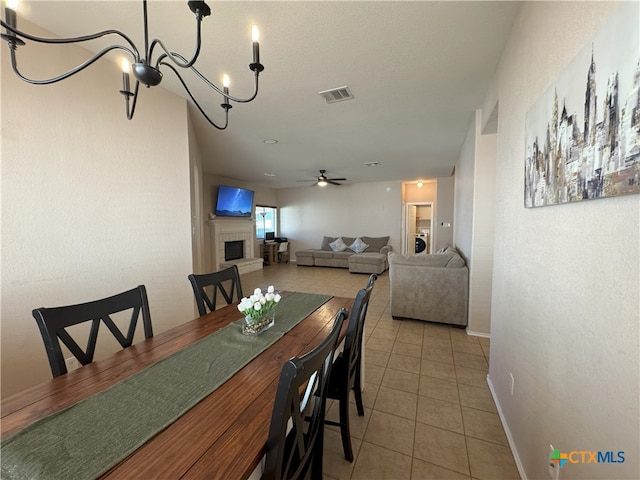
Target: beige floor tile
(441, 447)
(369, 394)
(357, 424)
(460, 335)
(471, 376)
(443, 371)
(390, 431)
(400, 380)
(388, 323)
(436, 330)
(436, 342)
(409, 349)
(376, 357)
(409, 336)
(422, 470)
(383, 344)
(381, 332)
(397, 402)
(379, 463)
(440, 414)
(467, 347)
(437, 355)
(438, 389)
(373, 373)
(482, 425)
(470, 361)
(478, 398)
(334, 464)
(489, 461)
(404, 363)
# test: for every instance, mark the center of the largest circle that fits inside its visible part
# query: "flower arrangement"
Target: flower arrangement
(259, 304)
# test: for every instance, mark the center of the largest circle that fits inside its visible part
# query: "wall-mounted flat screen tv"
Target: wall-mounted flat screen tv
(234, 202)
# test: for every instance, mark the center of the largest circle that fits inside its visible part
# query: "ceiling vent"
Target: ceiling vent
(336, 94)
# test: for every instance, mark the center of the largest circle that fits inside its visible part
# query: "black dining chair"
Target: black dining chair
(216, 281)
(347, 374)
(296, 434)
(53, 324)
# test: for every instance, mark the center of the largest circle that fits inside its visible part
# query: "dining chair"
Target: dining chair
(216, 280)
(283, 252)
(347, 374)
(296, 434)
(53, 324)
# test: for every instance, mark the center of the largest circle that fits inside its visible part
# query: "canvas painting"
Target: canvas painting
(583, 134)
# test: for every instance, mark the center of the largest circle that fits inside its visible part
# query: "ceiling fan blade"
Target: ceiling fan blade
(333, 183)
(306, 180)
(337, 179)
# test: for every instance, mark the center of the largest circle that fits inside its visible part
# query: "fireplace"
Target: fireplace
(233, 250)
(226, 230)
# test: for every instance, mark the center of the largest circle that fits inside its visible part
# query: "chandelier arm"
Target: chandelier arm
(173, 56)
(79, 68)
(226, 110)
(217, 89)
(84, 38)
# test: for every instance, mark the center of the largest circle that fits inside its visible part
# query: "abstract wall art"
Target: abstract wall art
(583, 134)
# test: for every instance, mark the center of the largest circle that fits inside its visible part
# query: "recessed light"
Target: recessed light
(419, 184)
(266, 174)
(372, 164)
(270, 141)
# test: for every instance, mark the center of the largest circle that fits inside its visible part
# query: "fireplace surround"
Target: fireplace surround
(233, 230)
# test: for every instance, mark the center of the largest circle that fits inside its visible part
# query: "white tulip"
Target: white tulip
(257, 292)
(270, 289)
(277, 298)
(257, 306)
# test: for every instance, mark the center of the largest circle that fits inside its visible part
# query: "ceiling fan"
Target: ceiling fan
(322, 180)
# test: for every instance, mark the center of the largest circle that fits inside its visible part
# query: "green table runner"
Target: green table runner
(88, 438)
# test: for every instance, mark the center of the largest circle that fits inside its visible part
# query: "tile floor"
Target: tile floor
(428, 411)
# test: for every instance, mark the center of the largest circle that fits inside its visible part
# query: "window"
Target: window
(265, 220)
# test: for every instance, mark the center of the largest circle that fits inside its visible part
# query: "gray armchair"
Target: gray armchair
(433, 287)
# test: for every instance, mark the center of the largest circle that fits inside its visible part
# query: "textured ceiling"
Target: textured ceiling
(417, 70)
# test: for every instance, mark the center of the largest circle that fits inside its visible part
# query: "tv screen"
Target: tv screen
(234, 202)
(269, 236)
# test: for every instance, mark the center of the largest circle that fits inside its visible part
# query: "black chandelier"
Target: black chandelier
(145, 69)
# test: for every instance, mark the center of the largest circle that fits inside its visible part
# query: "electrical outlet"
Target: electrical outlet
(72, 363)
(511, 382)
(553, 467)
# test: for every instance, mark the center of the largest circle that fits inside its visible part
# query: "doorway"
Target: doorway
(417, 234)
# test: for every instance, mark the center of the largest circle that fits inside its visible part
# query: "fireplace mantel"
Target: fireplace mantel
(228, 230)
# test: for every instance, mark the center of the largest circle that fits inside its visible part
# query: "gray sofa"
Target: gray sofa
(432, 287)
(372, 260)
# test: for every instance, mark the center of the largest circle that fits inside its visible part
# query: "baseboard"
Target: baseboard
(478, 334)
(507, 432)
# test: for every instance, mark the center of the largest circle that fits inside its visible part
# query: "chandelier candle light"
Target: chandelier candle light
(145, 69)
(258, 310)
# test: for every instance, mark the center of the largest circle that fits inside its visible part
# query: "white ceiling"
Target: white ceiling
(417, 70)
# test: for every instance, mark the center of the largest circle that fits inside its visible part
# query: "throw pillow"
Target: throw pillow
(338, 245)
(358, 246)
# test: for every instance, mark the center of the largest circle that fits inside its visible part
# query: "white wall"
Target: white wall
(566, 280)
(474, 215)
(362, 209)
(92, 204)
(443, 236)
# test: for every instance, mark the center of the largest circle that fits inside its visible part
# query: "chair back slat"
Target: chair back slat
(216, 282)
(53, 324)
(294, 447)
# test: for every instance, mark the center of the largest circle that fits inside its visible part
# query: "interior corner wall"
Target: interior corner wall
(444, 214)
(92, 204)
(566, 278)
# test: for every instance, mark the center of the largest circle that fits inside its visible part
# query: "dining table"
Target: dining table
(222, 435)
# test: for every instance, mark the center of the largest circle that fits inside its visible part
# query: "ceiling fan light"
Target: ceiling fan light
(322, 183)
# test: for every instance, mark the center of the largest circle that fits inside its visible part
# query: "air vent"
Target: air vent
(336, 94)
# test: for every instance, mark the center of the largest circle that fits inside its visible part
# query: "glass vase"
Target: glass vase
(255, 326)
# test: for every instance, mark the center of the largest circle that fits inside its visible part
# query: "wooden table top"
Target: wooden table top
(223, 436)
